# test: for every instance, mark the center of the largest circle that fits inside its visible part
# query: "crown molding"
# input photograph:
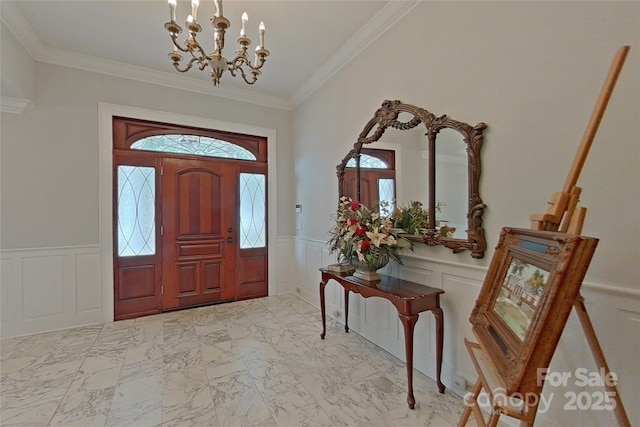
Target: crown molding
(146, 75)
(392, 12)
(386, 18)
(15, 21)
(15, 105)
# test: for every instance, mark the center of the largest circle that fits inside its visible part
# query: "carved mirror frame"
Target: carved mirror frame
(387, 116)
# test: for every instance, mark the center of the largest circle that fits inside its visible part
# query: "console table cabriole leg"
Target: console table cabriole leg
(346, 311)
(409, 322)
(324, 319)
(437, 313)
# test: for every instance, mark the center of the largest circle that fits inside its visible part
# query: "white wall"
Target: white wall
(532, 71)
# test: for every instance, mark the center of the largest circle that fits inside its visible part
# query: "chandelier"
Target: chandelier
(241, 64)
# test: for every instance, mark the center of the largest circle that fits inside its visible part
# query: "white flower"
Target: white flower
(359, 251)
(390, 240)
(376, 237)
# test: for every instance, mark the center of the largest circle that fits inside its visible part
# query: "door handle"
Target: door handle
(230, 239)
(230, 229)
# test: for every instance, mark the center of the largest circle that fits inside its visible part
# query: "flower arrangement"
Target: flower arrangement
(363, 234)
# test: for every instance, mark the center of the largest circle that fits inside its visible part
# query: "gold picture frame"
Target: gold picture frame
(532, 283)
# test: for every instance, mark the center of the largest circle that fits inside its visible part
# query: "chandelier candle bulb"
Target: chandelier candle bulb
(261, 28)
(189, 24)
(172, 10)
(194, 8)
(245, 19)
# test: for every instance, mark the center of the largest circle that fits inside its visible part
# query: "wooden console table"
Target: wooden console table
(408, 298)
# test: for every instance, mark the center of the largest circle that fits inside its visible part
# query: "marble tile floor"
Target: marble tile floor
(259, 362)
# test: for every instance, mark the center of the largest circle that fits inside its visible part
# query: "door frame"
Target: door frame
(106, 112)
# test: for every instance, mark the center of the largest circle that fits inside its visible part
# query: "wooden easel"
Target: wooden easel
(564, 215)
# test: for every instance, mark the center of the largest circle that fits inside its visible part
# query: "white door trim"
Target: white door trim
(106, 112)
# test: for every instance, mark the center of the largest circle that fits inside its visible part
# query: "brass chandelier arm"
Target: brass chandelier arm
(242, 59)
(255, 74)
(175, 29)
(174, 39)
(176, 65)
(192, 44)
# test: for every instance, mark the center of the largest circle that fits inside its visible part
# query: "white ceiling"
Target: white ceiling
(308, 40)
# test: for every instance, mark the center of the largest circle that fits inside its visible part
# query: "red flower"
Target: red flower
(355, 205)
(353, 220)
(360, 231)
(366, 244)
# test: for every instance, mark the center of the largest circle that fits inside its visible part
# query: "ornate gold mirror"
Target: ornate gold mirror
(430, 167)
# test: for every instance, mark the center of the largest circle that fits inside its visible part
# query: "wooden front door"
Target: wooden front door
(199, 236)
(189, 217)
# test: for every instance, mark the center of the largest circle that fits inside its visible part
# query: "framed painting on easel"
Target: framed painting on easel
(532, 283)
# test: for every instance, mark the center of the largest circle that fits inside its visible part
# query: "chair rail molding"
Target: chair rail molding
(9, 104)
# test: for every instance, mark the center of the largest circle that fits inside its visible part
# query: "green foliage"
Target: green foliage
(412, 218)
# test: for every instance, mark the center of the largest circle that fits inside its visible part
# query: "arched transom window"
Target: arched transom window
(193, 144)
(367, 161)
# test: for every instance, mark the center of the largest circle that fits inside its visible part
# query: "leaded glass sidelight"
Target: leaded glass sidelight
(193, 144)
(367, 161)
(253, 203)
(136, 211)
(387, 196)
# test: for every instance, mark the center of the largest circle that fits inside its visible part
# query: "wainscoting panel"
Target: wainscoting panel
(49, 289)
(4, 290)
(377, 315)
(43, 286)
(87, 283)
(286, 269)
(457, 302)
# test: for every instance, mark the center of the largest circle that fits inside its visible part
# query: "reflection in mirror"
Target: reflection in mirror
(440, 170)
(413, 176)
(451, 184)
(377, 179)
